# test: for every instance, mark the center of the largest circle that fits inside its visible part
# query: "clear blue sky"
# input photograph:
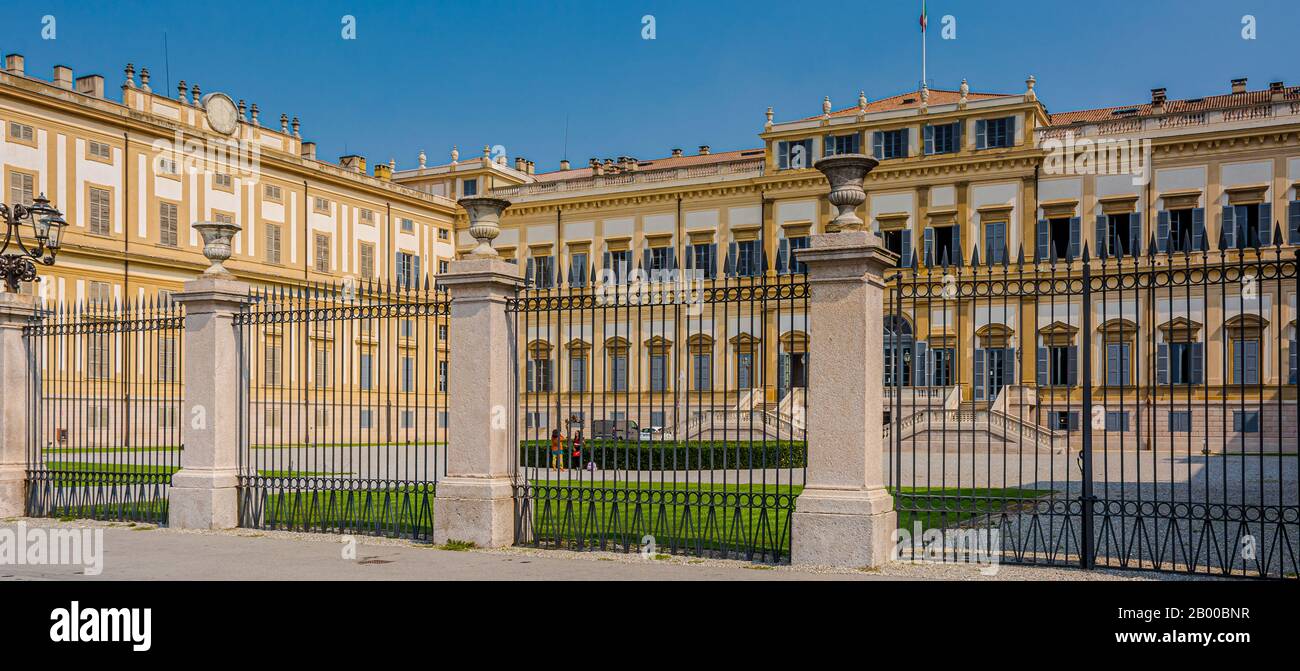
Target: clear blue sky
(429, 75)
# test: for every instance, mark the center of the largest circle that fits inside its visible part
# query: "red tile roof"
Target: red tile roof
(912, 99)
(1187, 105)
(659, 163)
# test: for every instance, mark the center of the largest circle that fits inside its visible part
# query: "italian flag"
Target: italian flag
(923, 21)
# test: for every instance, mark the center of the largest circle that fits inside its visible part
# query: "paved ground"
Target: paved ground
(143, 552)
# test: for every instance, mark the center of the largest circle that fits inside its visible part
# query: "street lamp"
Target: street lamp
(47, 227)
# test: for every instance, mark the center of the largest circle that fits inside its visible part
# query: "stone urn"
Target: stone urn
(216, 244)
(846, 172)
(484, 223)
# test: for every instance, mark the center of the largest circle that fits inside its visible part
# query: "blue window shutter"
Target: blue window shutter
(980, 378)
(1162, 364)
(920, 376)
(1044, 239)
(1198, 227)
(730, 267)
(878, 145)
(981, 134)
(1101, 247)
(1112, 364)
(528, 272)
(1042, 367)
(927, 249)
(782, 254)
(690, 257)
(529, 376)
(1229, 226)
(906, 248)
(956, 244)
(1291, 367)
(1252, 361)
(782, 155)
(1162, 231)
(1135, 234)
(1009, 366)
(1076, 244)
(713, 261)
(1293, 222)
(645, 261)
(1266, 224)
(1197, 374)
(1072, 355)
(929, 139)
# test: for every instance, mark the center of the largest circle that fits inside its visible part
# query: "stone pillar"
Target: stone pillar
(16, 311)
(845, 516)
(203, 492)
(475, 499)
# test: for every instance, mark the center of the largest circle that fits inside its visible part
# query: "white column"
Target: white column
(475, 500)
(16, 311)
(203, 492)
(845, 516)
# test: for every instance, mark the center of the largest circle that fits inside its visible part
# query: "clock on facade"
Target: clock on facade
(223, 116)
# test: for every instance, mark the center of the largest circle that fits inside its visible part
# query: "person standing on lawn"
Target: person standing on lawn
(557, 450)
(576, 460)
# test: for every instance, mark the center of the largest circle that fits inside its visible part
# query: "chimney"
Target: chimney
(91, 85)
(564, 164)
(1276, 90)
(530, 166)
(1239, 85)
(519, 163)
(309, 150)
(677, 152)
(63, 77)
(14, 64)
(353, 162)
(704, 150)
(383, 171)
(1158, 97)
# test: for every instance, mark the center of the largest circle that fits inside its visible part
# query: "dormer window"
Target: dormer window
(835, 145)
(943, 139)
(992, 133)
(887, 144)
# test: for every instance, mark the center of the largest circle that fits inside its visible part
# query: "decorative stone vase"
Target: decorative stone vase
(216, 244)
(846, 173)
(484, 223)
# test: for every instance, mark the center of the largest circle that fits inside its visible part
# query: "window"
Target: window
(1180, 422)
(541, 271)
(366, 216)
(321, 366)
(322, 247)
(1118, 363)
(272, 192)
(366, 371)
(223, 218)
(321, 418)
(702, 371)
(658, 373)
(539, 375)
(1061, 365)
(1063, 420)
(321, 205)
(535, 420)
(1185, 230)
(620, 263)
(366, 418)
(704, 259)
(408, 373)
(167, 166)
(578, 373)
(272, 364)
(273, 243)
(578, 269)
(1247, 226)
(660, 259)
(99, 356)
(406, 328)
(443, 234)
(794, 265)
(1180, 363)
(744, 371)
(167, 359)
(469, 187)
(944, 139)
(167, 224)
(1116, 420)
(1119, 234)
(100, 217)
(406, 419)
(941, 367)
(834, 145)
(366, 260)
(443, 266)
(99, 150)
(100, 293)
(995, 243)
(21, 132)
(21, 188)
(1246, 421)
(442, 376)
(1058, 238)
(887, 144)
(899, 241)
(991, 133)
(442, 332)
(408, 270)
(942, 246)
(1245, 361)
(748, 258)
(618, 372)
(222, 180)
(656, 418)
(794, 155)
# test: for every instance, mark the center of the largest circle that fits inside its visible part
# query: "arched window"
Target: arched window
(899, 344)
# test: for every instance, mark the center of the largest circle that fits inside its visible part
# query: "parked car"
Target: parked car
(614, 429)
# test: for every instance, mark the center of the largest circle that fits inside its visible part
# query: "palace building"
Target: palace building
(966, 181)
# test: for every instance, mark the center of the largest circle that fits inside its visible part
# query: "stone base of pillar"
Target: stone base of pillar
(475, 510)
(846, 528)
(203, 500)
(13, 491)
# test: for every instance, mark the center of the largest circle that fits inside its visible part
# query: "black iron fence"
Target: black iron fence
(1124, 411)
(661, 411)
(344, 408)
(105, 409)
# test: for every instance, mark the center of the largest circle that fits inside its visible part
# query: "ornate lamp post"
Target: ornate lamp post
(47, 229)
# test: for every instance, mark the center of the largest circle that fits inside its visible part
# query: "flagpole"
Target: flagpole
(924, 21)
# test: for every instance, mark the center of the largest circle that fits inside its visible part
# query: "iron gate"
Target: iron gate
(344, 408)
(661, 410)
(1123, 411)
(104, 409)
